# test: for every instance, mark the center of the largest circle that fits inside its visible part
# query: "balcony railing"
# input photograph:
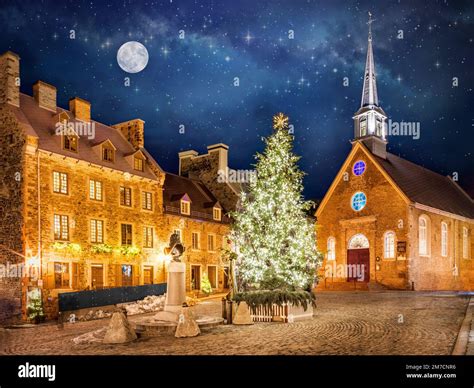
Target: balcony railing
(195, 214)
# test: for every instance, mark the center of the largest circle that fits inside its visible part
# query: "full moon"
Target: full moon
(132, 57)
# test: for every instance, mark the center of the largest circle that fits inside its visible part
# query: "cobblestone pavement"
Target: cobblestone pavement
(344, 323)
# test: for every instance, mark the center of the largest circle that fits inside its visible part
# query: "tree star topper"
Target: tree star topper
(280, 121)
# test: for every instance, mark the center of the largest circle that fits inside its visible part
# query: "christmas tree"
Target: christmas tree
(274, 236)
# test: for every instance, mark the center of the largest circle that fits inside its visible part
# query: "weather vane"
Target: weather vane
(370, 24)
(280, 121)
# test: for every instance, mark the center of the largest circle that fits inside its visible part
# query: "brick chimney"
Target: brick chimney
(45, 95)
(185, 161)
(10, 78)
(134, 132)
(81, 109)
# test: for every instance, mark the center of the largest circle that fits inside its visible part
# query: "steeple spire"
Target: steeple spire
(370, 121)
(369, 92)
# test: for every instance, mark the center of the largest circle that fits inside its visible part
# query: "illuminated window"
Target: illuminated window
(95, 190)
(61, 227)
(61, 275)
(444, 239)
(423, 236)
(331, 248)
(217, 214)
(363, 126)
(211, 239)
(59, 182)
(138, 164)
(97, 231)
(126, 234)
(465, 243)
(195, 240)
(358, 201)
(70, 143)
(108, 154)
(185, 207)
(359, 168)
(148, 237)
(126, 196)
(389, 245)
(147, 200)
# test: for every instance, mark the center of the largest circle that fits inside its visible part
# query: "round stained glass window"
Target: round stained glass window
(359, 168)
(358, 201)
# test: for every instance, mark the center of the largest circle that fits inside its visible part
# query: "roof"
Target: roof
(202, 200)
(41, 123)
(427, 187)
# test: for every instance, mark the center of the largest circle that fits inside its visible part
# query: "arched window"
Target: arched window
(465, 243)
(444, 239)
(423, 236)
(358, 241)
(389, 245)
(331, 248)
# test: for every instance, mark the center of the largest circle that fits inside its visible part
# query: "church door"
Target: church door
(358, 265)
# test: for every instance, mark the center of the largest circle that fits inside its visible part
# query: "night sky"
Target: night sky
(190, 81)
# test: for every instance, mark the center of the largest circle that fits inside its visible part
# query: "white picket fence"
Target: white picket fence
(284, 313)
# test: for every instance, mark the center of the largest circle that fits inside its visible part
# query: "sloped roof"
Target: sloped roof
(41, 123)
(427, 187)
(202, 200)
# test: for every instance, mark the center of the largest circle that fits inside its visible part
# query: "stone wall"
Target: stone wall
(385, 211)
(434, 271)
(12, 247)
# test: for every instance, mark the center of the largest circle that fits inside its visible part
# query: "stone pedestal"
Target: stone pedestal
(176, 293)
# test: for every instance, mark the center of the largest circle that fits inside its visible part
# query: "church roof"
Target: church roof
(427, 187)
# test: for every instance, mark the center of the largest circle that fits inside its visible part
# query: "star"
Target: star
(248, 37)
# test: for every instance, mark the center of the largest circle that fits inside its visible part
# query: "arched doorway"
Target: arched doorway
(358, 259)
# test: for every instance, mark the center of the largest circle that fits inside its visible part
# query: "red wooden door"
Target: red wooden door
(358, 265)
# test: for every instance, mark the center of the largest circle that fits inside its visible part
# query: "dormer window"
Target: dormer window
(138, 163)
(217, 214)
(108, 154)
(70, 142)
(185, 207)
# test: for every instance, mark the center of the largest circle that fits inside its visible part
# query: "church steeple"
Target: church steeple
(370, 120)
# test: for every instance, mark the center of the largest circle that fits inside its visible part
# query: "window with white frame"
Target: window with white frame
(211, 242)
(423, 236)
(95, 190)
(147, 237)
(195, 240)
(465, 243)
(217, 214)
(331, 248)
(389, 245)
(147, 200)
(97, 231)
(60, 182)
(185, 207)
(61, 227)
(444, 239)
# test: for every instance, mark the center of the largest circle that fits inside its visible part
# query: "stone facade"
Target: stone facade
(48, 213)
(207, 168)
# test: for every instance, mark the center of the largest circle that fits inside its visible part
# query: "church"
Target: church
(388, 223)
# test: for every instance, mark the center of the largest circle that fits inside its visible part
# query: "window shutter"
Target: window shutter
(49, 278)
(75, 276)
(135, 275)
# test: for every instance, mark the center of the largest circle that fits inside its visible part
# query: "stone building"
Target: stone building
(388, 222)
(83, 202)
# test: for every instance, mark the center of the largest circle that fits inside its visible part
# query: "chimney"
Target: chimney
(222, 150)
(185, 161)
(45, 95)
(81, 109)
(134, 132)
(10, 78)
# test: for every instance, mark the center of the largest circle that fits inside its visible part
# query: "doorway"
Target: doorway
(358, 265)
(148, 274)
(195, 277)
(97, 276)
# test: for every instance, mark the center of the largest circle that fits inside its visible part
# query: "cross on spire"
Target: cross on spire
(369, 92)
